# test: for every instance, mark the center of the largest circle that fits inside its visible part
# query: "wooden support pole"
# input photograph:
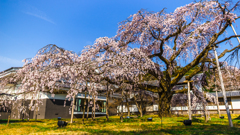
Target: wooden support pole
(107, 100)
(30, 108)
(235, 33)
(181, 110)
(189, 102)
(8, 120)
(219, 113)
(73, 106)
(205, 112)
(36, 112)
(23, 105)
(122, 108)
(218, 109)
(94, 107)
(239, 43)
(88, 108)
(223, 88)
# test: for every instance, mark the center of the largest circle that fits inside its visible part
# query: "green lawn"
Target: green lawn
(170, 125)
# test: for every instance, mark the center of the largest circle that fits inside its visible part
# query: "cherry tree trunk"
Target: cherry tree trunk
(88, 107)
(84, 105)
(94, 107)
(189, 102)
(107, 100)
(139, 109)
(73, 106)
(118, 111)
(141, 106)
(205, 112)
(127, 105)
(164, 104)
(122, 108)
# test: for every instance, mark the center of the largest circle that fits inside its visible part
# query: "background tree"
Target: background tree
(165, 40)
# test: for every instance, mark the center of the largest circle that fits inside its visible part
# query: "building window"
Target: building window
(100, 106)
(104, 107)
(221, 101)
(79, 105)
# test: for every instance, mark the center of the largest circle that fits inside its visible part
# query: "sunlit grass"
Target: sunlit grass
(170, 125)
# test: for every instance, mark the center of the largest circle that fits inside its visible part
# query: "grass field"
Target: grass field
(170, 125)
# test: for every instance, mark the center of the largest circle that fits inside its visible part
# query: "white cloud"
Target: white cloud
(40, 16)
(10, 61)
(33, 11)
(89, 42)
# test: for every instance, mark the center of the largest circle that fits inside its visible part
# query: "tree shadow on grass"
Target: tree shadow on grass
(143, 128)
(27, 129)
(181, 129)
(4, 121)
(194, 119)
(238, 118)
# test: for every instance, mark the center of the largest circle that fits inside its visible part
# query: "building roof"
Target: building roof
(9, 71)
(228, 93)
(182, 81)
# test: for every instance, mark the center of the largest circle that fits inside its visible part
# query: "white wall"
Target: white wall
(220, 106)
(132, 108)
(236, 102)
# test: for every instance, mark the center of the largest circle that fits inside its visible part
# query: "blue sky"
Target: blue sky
(28, 25)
